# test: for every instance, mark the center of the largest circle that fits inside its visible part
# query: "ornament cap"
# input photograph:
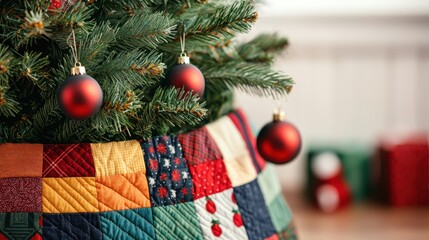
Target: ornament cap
(78, 69)
(278, 115)
(183, 59)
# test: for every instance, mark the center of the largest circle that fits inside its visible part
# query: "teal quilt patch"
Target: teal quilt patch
(128, 224)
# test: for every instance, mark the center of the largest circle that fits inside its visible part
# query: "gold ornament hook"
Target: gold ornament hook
(278, 115)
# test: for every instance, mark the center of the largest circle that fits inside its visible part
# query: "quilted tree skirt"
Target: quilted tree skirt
(206, 184)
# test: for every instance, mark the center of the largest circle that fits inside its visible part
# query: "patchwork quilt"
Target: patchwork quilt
(206, 184)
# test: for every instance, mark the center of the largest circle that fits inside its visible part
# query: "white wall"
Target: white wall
(357, 76)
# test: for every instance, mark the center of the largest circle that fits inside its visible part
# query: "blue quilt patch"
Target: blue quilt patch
(254, 212)
(79, 226)
(167, 173)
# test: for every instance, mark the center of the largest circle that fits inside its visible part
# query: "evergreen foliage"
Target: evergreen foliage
(127, 46)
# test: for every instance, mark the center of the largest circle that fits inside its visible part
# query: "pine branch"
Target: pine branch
(71, 131)
(9, 107)
(108, 8)
(6, 65)
(33, 68)
(76, 16)
(20, 131)
(171, 108)
(209, 23)
(130, 69)
(263, 48)
(252, 78)
(46, 115)
(93, 48)
(145, 31)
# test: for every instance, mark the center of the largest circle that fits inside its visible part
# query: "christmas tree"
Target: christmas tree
(127, 47)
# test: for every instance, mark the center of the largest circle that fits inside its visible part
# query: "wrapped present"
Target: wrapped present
(401, 171)
(330, 191)
(206, 184)
(355, 165)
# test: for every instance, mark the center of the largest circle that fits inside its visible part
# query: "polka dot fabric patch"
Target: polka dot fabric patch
(209, 178)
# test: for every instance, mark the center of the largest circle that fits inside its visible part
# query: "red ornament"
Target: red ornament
(187, 76)
(279, 141)
(80, 96)
(55, 4)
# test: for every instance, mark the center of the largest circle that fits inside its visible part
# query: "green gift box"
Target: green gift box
(355, 163)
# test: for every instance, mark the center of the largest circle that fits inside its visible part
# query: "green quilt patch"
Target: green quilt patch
(20, 225)
(269, 184)
(178, 221)
(280, 213)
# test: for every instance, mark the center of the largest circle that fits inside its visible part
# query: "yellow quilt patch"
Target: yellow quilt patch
(117, 158)
(69, 195)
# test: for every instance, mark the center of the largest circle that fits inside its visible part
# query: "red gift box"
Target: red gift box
(402, 171)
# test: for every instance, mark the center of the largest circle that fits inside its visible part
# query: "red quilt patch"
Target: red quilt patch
(20, 195)
(209, 178)
(68, 160)
(199, 147)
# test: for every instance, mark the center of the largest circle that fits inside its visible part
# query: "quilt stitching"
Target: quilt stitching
(20, 225)
(256, 218)
(122, 214)
(220, 211)
(116, 193)
(180, 221)
(70, 198)
(78, 225)
(47, 221)
(68, 160)
(53, 164)
(237, 159)
(179, 170)
(118, 158)
(199, 147)
(122, 191)
(129, 220)
(120, 227)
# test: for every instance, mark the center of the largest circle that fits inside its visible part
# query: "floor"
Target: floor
(364, 221)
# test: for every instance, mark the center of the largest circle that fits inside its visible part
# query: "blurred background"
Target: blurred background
(362, 95)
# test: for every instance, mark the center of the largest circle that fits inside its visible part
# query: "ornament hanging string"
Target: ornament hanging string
(71, 41)
(182, 43)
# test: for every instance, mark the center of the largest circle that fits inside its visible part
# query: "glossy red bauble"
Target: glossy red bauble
(55, 4)
(279, 142)
(80, 96)
(186, 76)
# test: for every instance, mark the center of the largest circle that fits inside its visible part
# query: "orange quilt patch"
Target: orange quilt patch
(123, 191)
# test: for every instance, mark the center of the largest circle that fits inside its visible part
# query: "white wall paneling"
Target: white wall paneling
(356, 77)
